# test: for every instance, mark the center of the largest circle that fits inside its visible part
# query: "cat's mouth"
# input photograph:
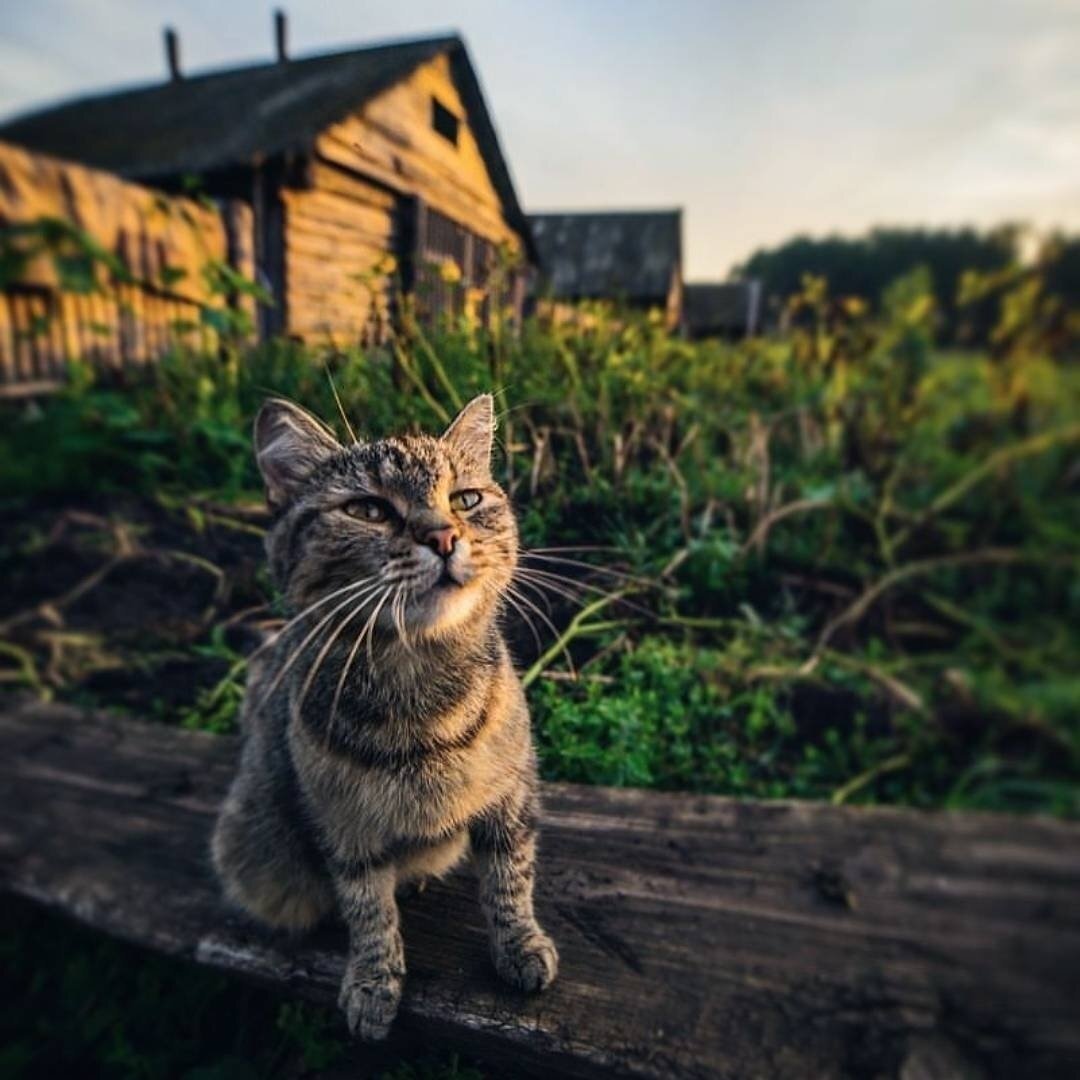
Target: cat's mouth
(448, 579)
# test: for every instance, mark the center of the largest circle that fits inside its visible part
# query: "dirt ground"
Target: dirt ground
(130, 603)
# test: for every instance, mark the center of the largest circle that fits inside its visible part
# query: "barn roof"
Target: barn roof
(628, 255)
(203, 123)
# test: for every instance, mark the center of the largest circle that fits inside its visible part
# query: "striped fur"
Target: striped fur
(386, 734)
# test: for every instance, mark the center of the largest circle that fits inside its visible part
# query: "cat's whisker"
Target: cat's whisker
(538, 591)
(509, 598)
(357, 643)
(369, 628)
(551, 581)
(327, 645)
(542, 589)
(579, 547)
(397, 611)
(555, 633)
(559, 586)
(289, 624)
(302, 647)
(619, 574)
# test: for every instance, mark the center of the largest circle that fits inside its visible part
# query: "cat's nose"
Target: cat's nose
(441, 540)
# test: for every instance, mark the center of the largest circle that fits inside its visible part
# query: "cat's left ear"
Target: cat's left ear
(473, 430)
(290, 444)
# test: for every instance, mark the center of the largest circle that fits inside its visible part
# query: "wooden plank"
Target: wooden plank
(21, 338)
(30, 389)
(340, 248)
(323, 176)
(337, 211)
(341, 147)
(139, 226)
(8, 371)
(337, 288)
(36, 332)
(394, 131)
(240, 229)
(700, 936)
(68, 319)
(348, 236)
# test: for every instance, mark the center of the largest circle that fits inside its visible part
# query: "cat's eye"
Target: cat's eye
(373, 510)
(465, 500)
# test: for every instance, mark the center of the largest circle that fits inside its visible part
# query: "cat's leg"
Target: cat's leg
(264, 863)
(504, 849)
(375, 968)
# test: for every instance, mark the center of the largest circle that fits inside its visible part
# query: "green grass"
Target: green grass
(863, 551)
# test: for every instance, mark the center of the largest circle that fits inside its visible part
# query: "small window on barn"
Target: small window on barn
(444, 121)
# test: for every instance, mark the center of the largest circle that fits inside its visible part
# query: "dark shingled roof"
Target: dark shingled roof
(622, 255)
(203, 123)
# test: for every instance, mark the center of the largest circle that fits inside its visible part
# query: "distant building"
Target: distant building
(729, 310)
(346, 159)
(629, 257)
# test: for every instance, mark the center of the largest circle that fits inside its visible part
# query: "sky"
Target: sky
(762, 120)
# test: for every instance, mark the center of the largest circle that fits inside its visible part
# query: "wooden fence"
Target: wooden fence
(97, 269)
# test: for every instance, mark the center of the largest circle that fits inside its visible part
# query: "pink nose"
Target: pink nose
(442, 541)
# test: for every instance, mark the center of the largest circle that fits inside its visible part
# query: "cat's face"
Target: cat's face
(412, 533)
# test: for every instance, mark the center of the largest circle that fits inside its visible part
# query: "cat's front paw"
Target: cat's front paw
(370, 1000)
(529, 961)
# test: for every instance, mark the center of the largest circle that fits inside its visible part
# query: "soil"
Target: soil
(129, 602)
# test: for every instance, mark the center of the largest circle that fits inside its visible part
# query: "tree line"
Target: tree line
(864, 266)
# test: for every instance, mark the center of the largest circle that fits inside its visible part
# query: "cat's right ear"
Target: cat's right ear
(290, 444)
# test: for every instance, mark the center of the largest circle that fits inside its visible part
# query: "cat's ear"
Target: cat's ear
(473, 430)
(290, 444)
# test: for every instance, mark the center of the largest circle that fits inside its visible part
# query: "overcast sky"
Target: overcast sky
(762, 119)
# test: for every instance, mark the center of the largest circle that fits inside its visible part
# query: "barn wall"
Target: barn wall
(340, 235)
(384, 185)
(391, 139)
(162, 243)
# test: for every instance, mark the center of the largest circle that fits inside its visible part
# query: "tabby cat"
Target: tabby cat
(386, 734)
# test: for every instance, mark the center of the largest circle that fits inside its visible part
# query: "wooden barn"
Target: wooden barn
(722, 309)
(632, 258)
(364, 170)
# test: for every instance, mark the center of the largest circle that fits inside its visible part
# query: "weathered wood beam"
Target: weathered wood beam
(700, 936)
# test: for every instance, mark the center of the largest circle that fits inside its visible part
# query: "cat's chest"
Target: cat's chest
(369, 800)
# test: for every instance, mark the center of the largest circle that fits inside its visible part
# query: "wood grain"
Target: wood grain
(700, 936)
(121, 322)
(392, 141)
(141, 227)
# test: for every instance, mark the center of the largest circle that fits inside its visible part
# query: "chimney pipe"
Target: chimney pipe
(280, 28)
(172, 54)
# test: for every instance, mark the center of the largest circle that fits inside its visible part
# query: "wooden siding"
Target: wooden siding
(339, 237)
(392, 141)
(369, 177)
(162, 243)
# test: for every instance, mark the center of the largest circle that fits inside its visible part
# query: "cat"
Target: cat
(386, 734)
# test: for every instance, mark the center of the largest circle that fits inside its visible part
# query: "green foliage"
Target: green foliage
(82, 1006)
(866, 548)
(433, 1069)
(866, 266)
